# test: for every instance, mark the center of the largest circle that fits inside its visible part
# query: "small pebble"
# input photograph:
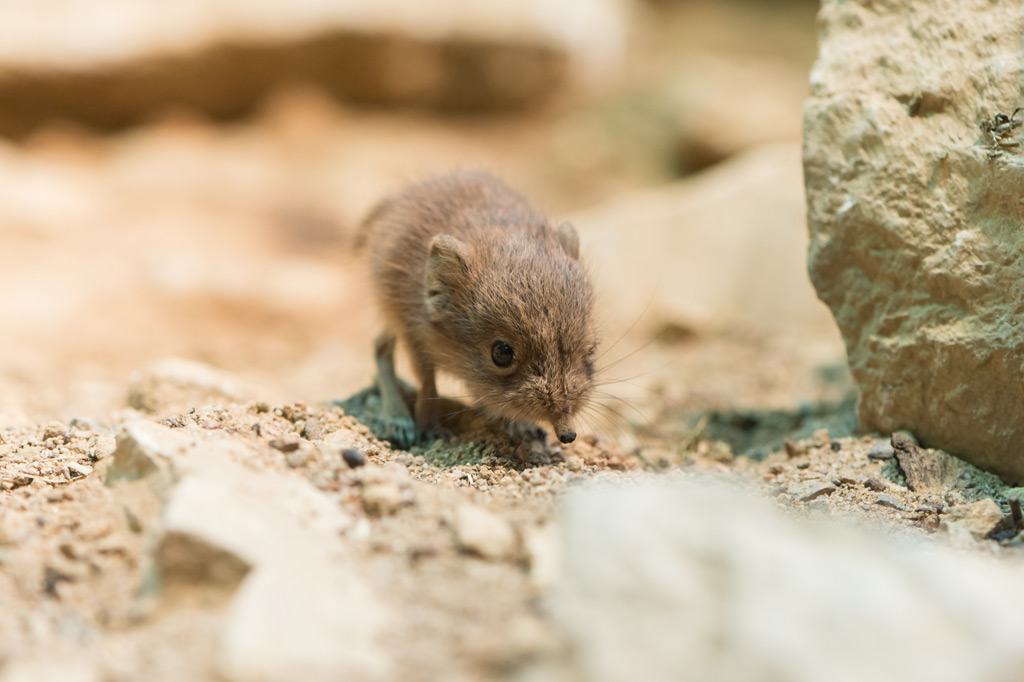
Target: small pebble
(793, 449)
(888, 501)
(80, 469)
(313, 430)
(297, 459)
(882, 449)
(875, 484)
(288, 443)
(809, 490)
(353, 457)
(54, 430)
(381, 499)
(57, 495)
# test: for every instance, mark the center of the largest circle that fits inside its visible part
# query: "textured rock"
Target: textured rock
(697, 581)
(915, 226)
(223, 56)
(270, 540)
(924, 470)
(224, 519)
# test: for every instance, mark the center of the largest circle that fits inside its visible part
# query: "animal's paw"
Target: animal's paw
(526, 431)
(399, 431)
(434, 432)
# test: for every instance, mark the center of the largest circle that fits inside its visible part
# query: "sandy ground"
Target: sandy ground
(233, 246)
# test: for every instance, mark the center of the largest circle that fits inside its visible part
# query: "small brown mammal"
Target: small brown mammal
(478, 283)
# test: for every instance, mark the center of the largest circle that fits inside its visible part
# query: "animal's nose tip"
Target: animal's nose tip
(567, 436)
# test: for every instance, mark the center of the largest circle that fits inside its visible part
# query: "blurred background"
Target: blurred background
(185, 178)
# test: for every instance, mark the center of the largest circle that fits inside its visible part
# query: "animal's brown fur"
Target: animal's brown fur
(460, 262)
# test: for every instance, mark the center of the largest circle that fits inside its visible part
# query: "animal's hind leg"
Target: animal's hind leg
(399, 427)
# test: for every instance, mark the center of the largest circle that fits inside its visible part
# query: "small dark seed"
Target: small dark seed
(353, 457)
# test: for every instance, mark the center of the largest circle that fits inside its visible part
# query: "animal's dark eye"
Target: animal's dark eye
(502, 354)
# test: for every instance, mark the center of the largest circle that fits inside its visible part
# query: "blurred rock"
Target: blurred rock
(304, 619)
(42, 670)
(173, 385)
(724, 249)
(725, 106)
(706, 582)
(914, 218)
(112, 63)
(484, 533)
(382, 499)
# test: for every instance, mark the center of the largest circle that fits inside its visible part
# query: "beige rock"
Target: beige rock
(270, 541)
(243, 518)
(724, 249)
(223, 56)
(304, 619)
(914, 223)
(811, 490)
(173, 385)
(145, 449)
(543, 552)
(980, 519)
(730, 105)
(381, 499)
(484, 533)
(48, 670)
(214, 518)
(699, 581)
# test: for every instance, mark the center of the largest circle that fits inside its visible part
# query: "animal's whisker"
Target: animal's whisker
(619, 425)
(631, 327)
(626, 356)
(628, 404)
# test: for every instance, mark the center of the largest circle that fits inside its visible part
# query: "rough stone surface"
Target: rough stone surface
(484, 533)
(924, 470)
(300, 612)
(914, 218)
(704, 582)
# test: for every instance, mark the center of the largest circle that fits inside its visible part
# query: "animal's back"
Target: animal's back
(462, 204)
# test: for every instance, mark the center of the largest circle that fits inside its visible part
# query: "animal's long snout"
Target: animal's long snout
(564, 429)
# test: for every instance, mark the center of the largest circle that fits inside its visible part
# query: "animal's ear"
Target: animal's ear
(447, 273)
(566, 234)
